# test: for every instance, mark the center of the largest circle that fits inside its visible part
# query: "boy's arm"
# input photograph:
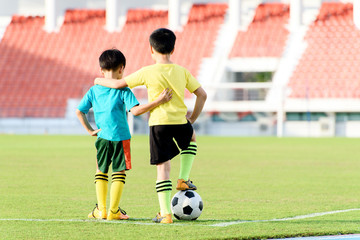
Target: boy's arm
(84, 121)
(199, 104)
(164, 97)
(111, 83)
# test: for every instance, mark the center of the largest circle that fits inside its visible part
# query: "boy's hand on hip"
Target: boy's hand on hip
(94, 132)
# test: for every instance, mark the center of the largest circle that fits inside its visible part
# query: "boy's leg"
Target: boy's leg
(186, 161)
(117, 186)
(163, 189)
(116, 190)
(121, 161)
(162, 150)
(101, 186)
(101, 178)
(187, 157)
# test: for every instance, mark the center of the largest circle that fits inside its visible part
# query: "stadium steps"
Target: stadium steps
(259, 48)
(294, 49)
(197, 39)
(214, 60)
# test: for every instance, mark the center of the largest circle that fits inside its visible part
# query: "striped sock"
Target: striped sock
(164, 188)
(186, 160)
(117, 187)
(101, 185)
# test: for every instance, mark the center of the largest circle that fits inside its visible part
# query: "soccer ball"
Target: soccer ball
(186, 205)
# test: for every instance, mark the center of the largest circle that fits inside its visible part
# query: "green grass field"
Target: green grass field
(50, 178)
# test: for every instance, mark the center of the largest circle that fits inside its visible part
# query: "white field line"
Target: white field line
(225, 224)
(132, 221)
(221, 224)
(333, 237)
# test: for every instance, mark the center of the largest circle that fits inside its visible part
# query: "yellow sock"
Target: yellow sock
(117, 186)
(163, 189)
(101, 185)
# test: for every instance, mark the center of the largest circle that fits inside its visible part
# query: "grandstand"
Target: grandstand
(286, 68)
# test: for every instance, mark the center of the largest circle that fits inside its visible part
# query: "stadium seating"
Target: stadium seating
(266, 35)
(330, 66)
(40, 71)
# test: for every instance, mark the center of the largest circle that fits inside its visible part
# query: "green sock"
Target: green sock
(186, 160)
(164, 188)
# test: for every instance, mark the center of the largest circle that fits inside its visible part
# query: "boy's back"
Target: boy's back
(109, 106)
(159, 76)
(113, 142)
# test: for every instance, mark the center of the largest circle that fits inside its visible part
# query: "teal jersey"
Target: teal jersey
(110, 106)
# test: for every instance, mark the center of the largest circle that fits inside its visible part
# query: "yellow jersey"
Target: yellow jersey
(156, 78)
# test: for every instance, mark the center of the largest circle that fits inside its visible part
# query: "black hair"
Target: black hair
(163, 40)
(112, 59)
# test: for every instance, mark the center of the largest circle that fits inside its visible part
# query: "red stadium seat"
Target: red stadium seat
(330, 60)
(270, 20)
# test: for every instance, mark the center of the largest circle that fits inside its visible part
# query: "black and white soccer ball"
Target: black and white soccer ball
(187, 205)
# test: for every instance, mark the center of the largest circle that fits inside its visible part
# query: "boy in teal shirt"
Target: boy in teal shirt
(113, 142)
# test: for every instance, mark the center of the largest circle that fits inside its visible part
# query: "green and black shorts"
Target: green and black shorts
(116, 153)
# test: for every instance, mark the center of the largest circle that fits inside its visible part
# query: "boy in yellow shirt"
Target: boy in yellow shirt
(169, 126)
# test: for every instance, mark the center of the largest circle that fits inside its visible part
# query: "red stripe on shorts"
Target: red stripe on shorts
(126, 147)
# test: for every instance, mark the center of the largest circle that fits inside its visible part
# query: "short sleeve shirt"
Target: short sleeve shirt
(156, 78)
(109, 106)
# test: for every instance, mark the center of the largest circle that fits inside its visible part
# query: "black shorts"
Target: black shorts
(165, 141)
